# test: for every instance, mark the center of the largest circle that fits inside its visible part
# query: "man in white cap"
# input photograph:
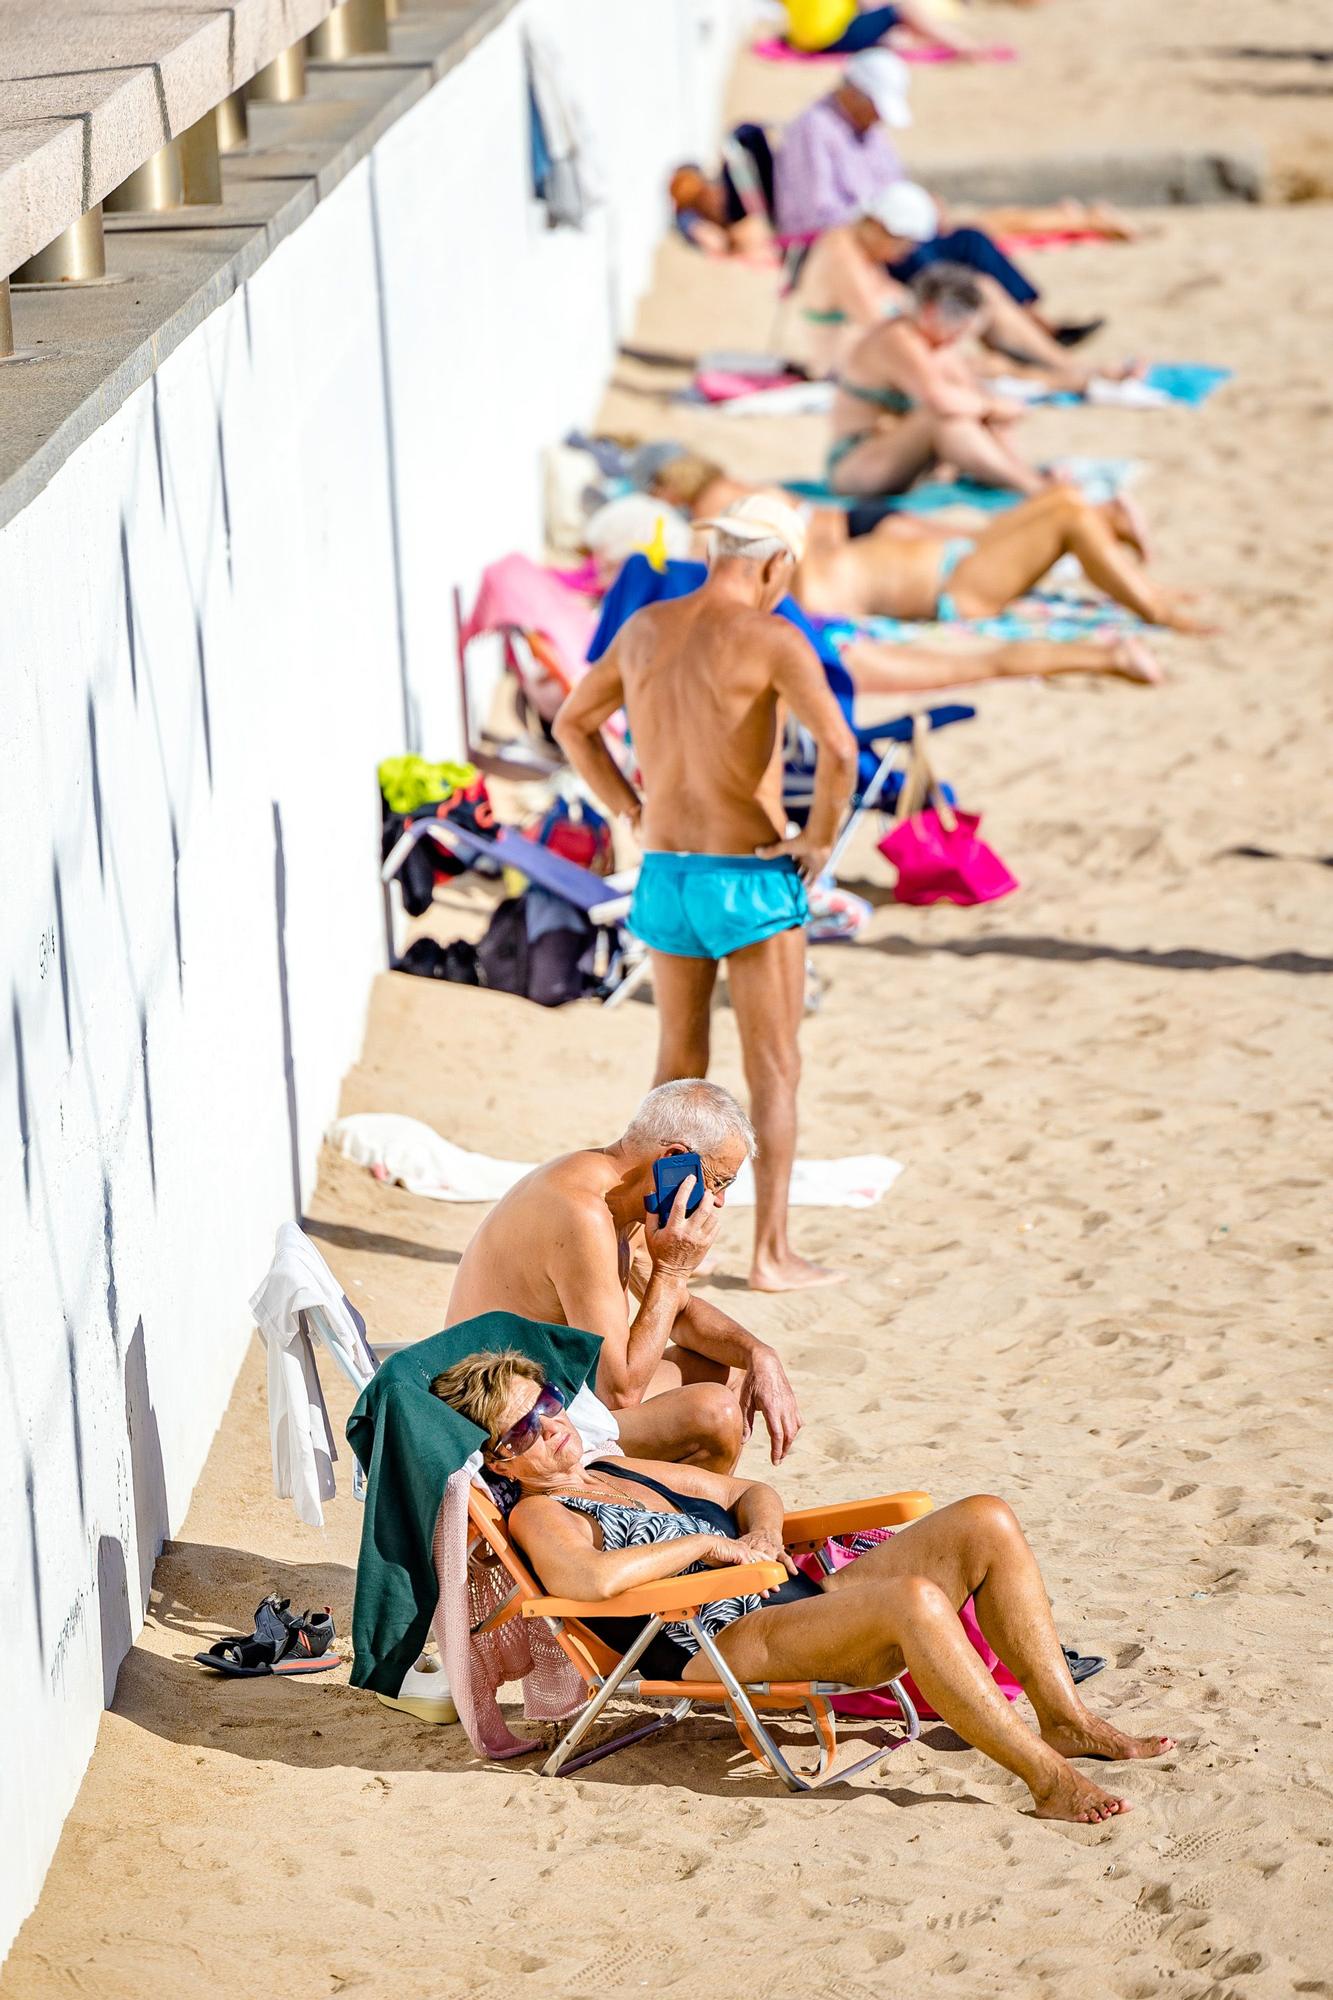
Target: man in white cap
(837, 156)
(704, 680)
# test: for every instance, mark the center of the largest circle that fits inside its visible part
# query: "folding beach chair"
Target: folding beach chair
(607, 1673)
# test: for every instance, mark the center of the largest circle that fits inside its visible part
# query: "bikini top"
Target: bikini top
(627, 1526)
(896, 401)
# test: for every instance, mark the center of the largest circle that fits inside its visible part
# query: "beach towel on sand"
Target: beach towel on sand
(1098, 478)
(414, 1155)
(1166, 385)
(1044, 614)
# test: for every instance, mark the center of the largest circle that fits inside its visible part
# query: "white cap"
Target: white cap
(762, 517)
(905, 209)
(885, 79)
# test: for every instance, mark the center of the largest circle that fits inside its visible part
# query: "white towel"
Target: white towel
(404, 1150)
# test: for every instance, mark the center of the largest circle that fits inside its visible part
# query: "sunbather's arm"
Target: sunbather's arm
(704, 1329)
(578, 730)
(560, 1545)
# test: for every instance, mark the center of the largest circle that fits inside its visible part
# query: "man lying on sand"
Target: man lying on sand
(593, 1531)
(703, 680)
(572, 1240)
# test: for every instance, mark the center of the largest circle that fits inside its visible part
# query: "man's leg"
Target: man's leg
(767, 983)
(699, 1424)
(683, 990)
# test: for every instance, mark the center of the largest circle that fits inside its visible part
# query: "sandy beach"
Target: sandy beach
(1101, 1288)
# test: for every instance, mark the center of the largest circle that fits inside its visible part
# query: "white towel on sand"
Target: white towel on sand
(404, 1150)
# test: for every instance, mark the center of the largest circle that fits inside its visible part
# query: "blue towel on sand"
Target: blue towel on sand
(1099, 478)
(1045, 614)
(1186, 382)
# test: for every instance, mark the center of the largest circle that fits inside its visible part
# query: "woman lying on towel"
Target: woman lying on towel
(865, 563)
(593, 1531)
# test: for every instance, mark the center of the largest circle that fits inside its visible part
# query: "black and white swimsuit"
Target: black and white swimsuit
(630, 1526)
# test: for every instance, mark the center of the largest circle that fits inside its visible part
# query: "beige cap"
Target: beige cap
(762, 517)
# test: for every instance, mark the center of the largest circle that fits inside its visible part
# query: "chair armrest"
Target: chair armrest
(807, 1527)
(672, 1594)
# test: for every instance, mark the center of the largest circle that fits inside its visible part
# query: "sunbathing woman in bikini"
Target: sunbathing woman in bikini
(593, 1531)
(901, 566)
(908, 402)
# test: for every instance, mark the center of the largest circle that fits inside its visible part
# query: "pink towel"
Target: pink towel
(774, 49)
(517, 593)
(721, 385)
(1053, 239)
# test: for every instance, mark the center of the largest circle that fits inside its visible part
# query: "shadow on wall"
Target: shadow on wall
(146, 1468)
(149, 1492)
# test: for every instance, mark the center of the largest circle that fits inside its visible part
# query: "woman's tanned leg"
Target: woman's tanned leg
(898, 1605)
(1013, 555)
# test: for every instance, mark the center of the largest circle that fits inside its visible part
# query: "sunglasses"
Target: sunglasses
(521, 1437)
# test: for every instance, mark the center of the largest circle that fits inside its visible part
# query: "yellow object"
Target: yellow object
(814, 24)
(656, 550)
(409, 782)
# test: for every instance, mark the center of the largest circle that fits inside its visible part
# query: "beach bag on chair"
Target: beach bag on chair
(935, 849)
(835, 1554)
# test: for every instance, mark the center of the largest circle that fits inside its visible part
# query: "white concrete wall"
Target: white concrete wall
(211, 625)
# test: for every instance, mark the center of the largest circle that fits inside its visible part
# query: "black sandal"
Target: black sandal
(279, 1644)
(1082, 1666)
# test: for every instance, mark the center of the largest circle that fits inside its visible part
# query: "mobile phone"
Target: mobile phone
(668, 1174)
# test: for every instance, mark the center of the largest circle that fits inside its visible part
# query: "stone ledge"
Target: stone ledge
(1138, 178)
(97, 346)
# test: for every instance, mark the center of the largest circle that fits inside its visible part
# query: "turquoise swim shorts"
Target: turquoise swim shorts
(710, 905)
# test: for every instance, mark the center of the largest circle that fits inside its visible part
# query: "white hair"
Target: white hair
(734, 548)
(700, 1116)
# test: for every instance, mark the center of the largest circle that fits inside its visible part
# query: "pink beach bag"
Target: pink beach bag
(936, 851)
(844, 1549)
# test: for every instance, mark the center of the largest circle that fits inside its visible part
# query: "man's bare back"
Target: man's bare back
(701, 682)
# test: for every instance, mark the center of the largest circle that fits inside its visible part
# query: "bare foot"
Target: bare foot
(790, 1274)
(1172, 612)
(1130, 659)
(1074, 1797)
(1094, 1738)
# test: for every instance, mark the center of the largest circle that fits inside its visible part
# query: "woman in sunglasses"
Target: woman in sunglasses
(592, 1531)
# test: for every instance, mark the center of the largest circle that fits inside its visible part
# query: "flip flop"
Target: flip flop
(279, 1644)
(1082, 1666)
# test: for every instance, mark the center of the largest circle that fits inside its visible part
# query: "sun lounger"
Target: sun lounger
(607, 1674)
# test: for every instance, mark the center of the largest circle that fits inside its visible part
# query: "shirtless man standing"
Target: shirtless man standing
(564, 1245)
(703, 680)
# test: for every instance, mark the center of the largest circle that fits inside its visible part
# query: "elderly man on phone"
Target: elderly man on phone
(574, 1241)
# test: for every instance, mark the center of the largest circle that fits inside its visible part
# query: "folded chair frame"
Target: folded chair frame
(608, 1675)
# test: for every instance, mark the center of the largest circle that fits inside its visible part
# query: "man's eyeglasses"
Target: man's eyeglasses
(521, 1437)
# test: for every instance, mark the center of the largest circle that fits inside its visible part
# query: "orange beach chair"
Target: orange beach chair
(607, 1673)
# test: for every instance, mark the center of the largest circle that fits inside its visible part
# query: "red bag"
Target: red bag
(936, 850)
